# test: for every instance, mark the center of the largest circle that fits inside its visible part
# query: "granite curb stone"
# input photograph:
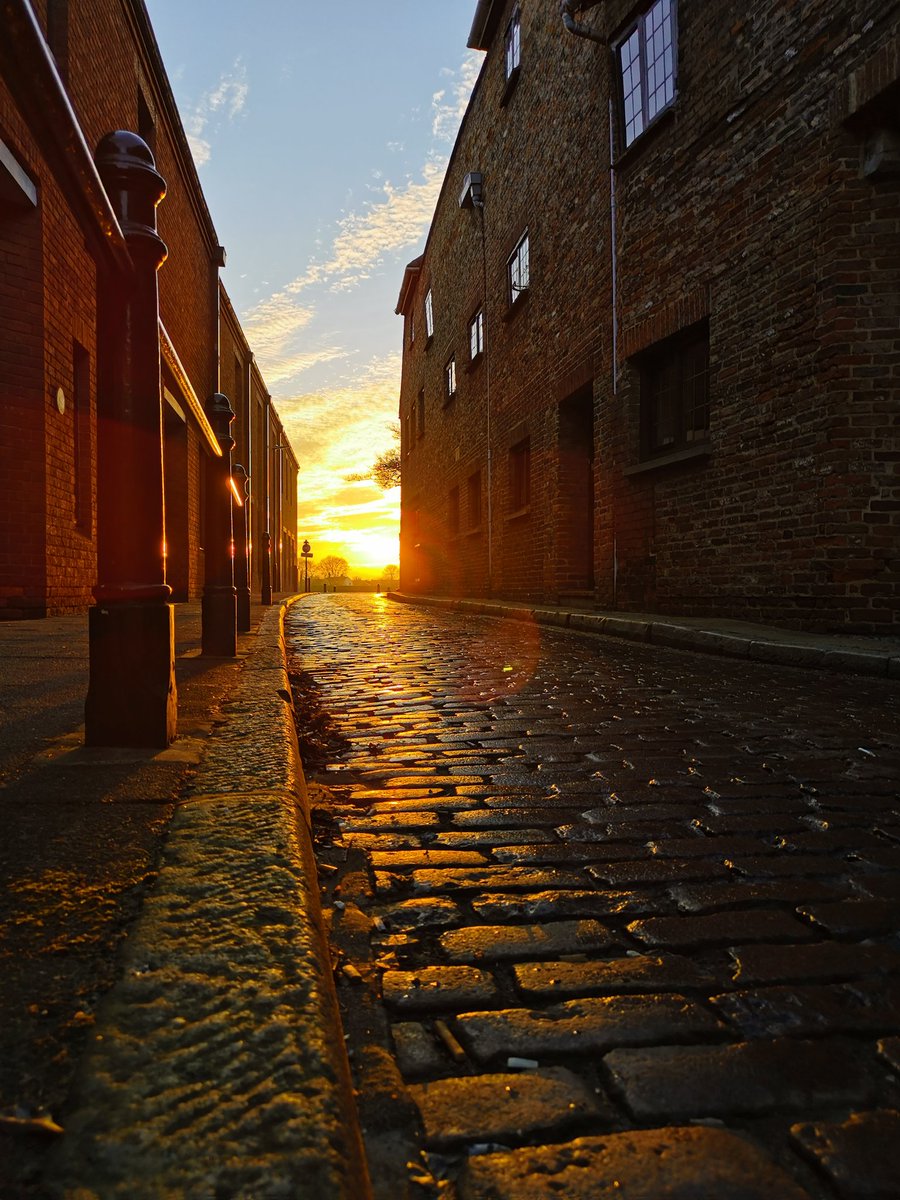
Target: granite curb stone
(217, 1066)
(735, 639)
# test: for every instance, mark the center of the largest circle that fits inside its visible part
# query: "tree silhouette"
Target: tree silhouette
(385, 470)
(390, 572)
(332, 566)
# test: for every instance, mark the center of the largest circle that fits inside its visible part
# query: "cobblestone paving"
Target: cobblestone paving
(608, 920)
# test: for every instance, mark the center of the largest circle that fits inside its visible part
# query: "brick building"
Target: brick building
(72, 71)
(261, 446)
(651, 348)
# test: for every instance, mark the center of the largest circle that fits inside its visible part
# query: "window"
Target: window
(518, 270)
(476, 335)
(473, 501)
(412, 328)
(450, 379)
(675, 393)
(420, 405)
(520, 476)
(646, 68)
(429, 315)
(453, 511)
(513, 44)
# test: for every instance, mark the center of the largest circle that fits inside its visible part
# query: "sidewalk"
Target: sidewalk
(735, 639)
(202, 1056)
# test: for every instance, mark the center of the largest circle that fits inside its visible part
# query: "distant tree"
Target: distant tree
(390, 572)
(332, 566)
(385, 470)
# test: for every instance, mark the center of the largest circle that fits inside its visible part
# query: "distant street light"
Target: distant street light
(306, 554)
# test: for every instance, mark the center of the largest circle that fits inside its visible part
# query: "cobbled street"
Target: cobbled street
(607, 919)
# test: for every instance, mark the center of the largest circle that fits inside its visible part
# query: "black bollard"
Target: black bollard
(219, 604)
(131, 698)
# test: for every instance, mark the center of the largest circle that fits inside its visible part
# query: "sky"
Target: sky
(321, 134)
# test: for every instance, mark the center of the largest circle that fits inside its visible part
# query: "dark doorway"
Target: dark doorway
(575, 533)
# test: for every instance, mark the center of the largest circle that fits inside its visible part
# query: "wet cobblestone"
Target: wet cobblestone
(675, 881)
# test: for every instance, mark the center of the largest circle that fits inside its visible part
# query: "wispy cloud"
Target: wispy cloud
(225, 100)
(449, 104)
(340, 428)
(399, 214)
(365, 239)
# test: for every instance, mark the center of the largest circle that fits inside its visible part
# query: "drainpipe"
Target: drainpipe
(567, 8)
(479, 206)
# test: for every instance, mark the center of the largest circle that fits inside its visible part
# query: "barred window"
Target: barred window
(675, 393)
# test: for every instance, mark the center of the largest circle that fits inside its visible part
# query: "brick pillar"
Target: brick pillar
(219, 605)
(131, 698)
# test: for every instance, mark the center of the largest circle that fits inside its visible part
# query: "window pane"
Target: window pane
(695, 389)
(513, 43)
(629, 59)
(663, 407)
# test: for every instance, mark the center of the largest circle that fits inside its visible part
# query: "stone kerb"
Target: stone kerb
(218, 1065)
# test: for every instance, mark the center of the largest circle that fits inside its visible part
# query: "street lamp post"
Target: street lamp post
(306, 554)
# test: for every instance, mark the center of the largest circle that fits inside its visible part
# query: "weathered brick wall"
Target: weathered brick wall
(743, 206)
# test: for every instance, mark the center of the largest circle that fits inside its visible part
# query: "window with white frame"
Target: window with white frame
(513, 44)
(476, 335)
(429, 314)
(518, 269)
(450, 378)
(645, 57)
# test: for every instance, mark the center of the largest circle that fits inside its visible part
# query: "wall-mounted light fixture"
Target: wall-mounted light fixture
(471, 194)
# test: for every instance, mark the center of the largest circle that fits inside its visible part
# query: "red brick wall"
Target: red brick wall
(48, 296)
(23, 408)
(743, 205)
(47, 289)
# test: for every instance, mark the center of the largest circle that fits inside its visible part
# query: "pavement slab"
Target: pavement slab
(503, 1107)
(479, 943)
(675, 1163)
(613, 976)
(437, 988)
(860, 1156)
(748, 1078)
(590, 1025)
